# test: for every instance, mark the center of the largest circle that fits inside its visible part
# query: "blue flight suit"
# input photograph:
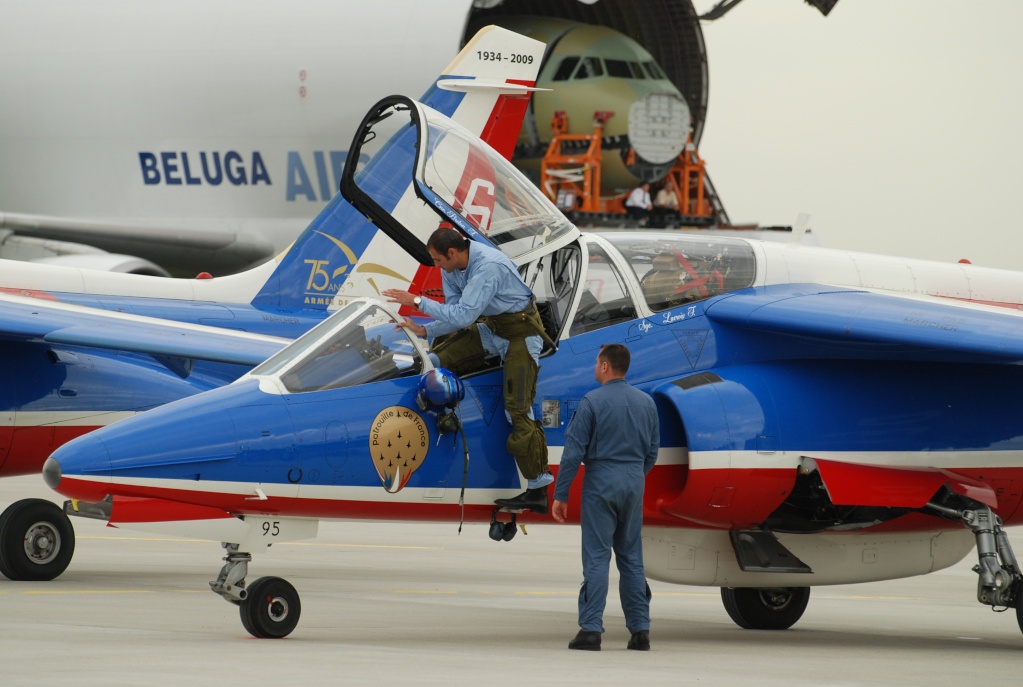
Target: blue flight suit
(615, 432)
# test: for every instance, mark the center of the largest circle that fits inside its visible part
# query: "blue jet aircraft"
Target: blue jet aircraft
(82, 349)
(827, 417)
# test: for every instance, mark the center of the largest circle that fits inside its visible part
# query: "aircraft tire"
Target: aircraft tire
(271, 608)
(1019, 605)
(765, 609)
(37, 541)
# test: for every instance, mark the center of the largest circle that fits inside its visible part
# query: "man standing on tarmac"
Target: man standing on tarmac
(615, 432)
(483, 283)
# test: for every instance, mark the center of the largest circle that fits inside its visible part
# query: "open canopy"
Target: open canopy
(457, 178)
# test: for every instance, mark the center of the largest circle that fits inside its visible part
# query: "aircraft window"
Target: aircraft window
(565, 69)
(509, 210)
(368, 349)
(654, 70)
(682, 270)
(553, 279)
(589, 67)
(618, 68)
(296, 349)
(605, 300)
(637, 70)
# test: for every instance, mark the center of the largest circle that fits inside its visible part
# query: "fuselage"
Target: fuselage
(740, 413)
(226, 123)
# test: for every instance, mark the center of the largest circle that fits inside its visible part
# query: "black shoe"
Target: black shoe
(531, 499)
(586, 641)
(640, 641)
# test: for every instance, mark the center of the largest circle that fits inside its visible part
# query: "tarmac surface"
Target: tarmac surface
(386, 603)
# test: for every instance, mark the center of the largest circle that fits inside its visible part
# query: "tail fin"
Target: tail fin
(341, 254)
(498, 69)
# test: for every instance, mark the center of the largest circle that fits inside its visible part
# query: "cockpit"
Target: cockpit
(675, 270)
(359, 344)
(582, 282)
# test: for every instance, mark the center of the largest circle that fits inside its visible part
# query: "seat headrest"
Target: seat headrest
(664, 263)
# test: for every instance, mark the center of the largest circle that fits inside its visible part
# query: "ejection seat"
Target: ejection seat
(662, 281)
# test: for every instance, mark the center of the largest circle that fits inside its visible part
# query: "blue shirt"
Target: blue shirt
(615, 425)
(489, 285)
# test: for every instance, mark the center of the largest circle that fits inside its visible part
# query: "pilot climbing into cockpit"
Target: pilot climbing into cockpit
(482, 283)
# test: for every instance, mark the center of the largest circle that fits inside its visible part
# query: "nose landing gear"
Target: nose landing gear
(269, 607)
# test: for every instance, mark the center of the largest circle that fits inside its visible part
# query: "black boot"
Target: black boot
(531, 499)
(587, 641)
(640, 641)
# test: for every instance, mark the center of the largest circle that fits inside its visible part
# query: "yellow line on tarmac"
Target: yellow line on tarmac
(85, 591)
(888, 598)
(287, 543)
(686, 594)
(74, 592)
(547, 593)
(421, 591)
(361, 546)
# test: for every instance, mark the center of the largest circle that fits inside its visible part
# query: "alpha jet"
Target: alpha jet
(827, 417)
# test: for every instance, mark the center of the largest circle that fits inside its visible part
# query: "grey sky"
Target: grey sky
(894, 123)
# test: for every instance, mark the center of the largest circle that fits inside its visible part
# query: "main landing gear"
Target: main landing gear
(999, 580)
(37, 541)
(765, 609)
(269, 607)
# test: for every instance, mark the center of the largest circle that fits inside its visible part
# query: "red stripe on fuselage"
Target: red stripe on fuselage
(662, 504)
(29, 293)
(31, 446)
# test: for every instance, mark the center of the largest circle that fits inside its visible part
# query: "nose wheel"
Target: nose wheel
(271, 608)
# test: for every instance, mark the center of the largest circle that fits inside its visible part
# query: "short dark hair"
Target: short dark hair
(446, 238)
(617, 356)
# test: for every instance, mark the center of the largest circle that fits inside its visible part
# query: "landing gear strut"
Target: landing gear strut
(269, 607)
(999, 580)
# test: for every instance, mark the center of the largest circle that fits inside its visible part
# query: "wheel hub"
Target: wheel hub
(277, 609)
(42, 543)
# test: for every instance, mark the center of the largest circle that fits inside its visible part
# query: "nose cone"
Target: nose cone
(78, 469)
(659, 127)
(51, 472)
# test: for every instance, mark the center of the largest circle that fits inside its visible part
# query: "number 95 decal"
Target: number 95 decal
(264, 530)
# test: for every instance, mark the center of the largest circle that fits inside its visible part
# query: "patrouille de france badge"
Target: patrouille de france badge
(398, 442)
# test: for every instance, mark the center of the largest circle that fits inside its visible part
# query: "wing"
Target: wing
(884, 324)
(37, 319)
(173, 247)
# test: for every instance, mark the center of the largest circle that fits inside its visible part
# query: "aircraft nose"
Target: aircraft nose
(85, 457)
(51, 472)
(659, 127)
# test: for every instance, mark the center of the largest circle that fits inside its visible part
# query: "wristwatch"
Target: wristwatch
(417, 300)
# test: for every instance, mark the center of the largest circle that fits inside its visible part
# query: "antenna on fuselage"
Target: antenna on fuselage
(799, 229)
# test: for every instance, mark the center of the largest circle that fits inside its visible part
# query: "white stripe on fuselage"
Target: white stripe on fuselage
(64, 418)
(752, 460)
(741, 460)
